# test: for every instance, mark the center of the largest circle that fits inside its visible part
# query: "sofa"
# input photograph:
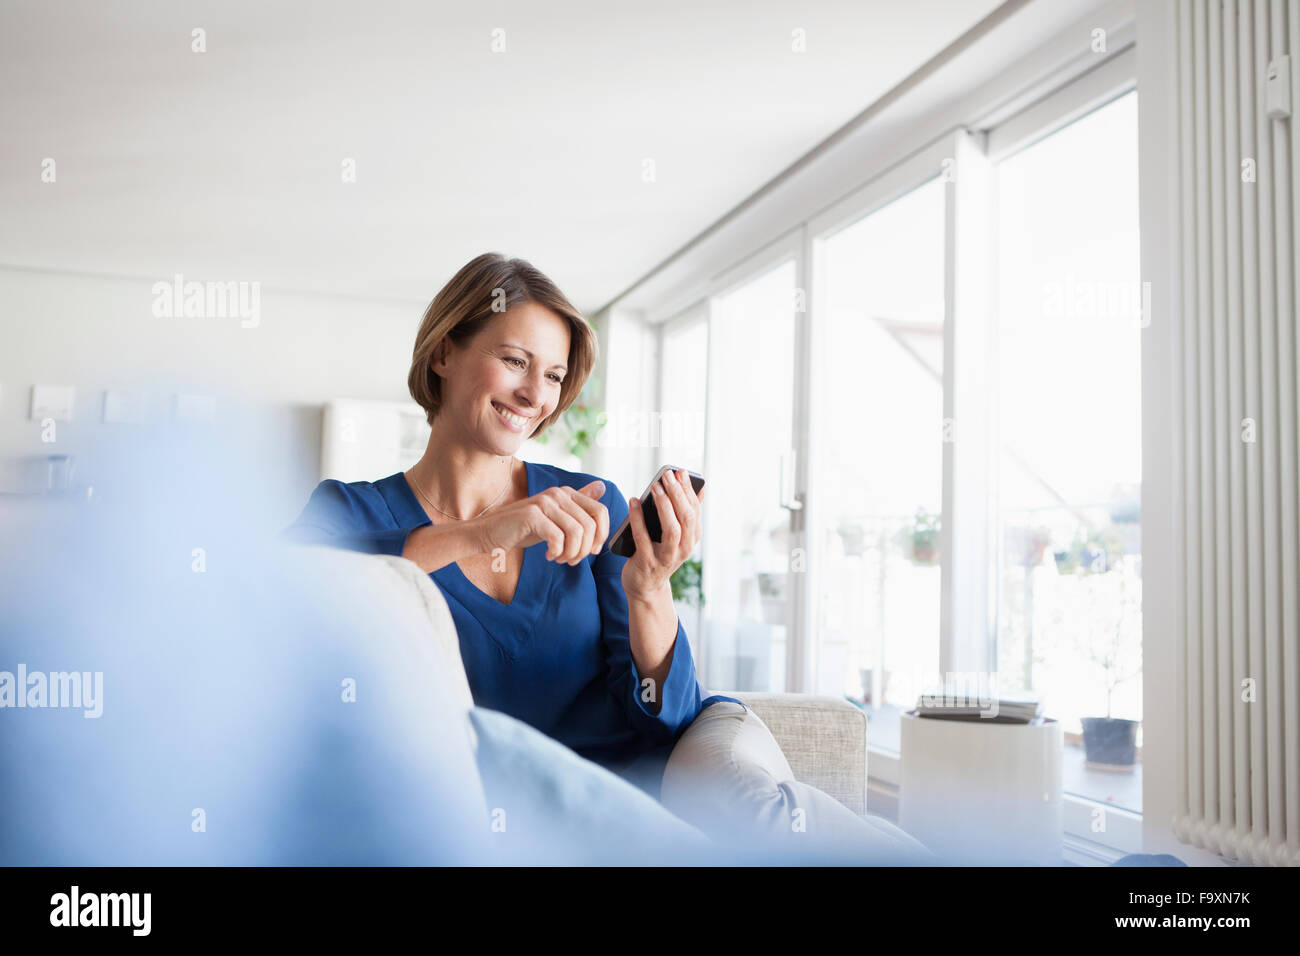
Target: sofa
(744, 776)
(823, 738)
(306, 706)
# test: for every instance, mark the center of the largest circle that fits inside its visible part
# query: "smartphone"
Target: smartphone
(622, 543)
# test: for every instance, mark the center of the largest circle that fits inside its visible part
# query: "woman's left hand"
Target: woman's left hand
(648, 571)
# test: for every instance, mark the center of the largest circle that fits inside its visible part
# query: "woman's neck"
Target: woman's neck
(462, 483)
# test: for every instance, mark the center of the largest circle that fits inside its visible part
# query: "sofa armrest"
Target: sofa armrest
(824, 739)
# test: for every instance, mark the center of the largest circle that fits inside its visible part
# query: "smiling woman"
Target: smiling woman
(491, 287)
(588, 650)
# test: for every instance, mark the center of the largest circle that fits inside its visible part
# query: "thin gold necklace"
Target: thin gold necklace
(410, 475)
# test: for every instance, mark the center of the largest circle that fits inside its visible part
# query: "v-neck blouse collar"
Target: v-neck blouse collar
(409, 513)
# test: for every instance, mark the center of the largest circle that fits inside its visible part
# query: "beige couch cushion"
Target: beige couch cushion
(824, 738)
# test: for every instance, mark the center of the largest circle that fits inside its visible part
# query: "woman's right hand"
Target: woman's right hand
(572, 521)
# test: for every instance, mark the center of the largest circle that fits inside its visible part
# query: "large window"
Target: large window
(1070, 310)
(987, 285)
(747, 545)
(881, 471)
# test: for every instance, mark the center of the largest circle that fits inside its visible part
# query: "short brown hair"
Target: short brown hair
(485, 287)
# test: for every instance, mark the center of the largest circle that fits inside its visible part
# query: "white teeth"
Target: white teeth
(510, 416)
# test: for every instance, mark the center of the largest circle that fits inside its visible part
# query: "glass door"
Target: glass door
(747, 548)
(1071, 308)
(679, 433)
(879, 479)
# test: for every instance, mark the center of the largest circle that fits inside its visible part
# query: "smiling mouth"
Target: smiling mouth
(516, 422)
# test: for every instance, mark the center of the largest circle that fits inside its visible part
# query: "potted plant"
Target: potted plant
(854, 536)
(579, 424)
(921, 539)
(1095, 551)
(687, 583)
(1027, 546)
(1110, 743)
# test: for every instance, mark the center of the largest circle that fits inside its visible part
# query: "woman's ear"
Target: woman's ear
(438, 360)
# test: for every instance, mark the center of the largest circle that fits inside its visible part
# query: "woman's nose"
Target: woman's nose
(529, 392)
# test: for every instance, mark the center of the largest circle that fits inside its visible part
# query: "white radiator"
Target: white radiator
(1237, 406)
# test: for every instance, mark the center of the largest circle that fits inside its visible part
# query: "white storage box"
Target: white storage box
(981, 792)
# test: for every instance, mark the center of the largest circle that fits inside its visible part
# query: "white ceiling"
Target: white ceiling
(227, 164)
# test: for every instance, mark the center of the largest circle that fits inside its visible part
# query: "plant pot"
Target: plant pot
(919, 539)
(1110, 743)
(1095, 561)
(924, 554)
(854, 538)
(1027, 546)
(1085, 560)
(773, 610)
(922, 548)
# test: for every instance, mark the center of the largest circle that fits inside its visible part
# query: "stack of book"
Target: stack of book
(960, 704)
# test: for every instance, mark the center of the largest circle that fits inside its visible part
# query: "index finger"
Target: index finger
(601, 515)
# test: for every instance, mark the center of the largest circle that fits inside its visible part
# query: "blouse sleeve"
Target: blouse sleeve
(680, 695)
(339, 516)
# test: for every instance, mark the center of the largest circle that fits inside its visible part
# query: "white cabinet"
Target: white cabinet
(369, 440)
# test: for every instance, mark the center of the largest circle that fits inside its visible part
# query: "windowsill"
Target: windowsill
(1119, 790)
(1123, 790)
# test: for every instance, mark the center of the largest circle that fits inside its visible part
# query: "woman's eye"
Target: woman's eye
(510, 358)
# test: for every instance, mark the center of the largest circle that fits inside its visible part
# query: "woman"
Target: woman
(580, 643)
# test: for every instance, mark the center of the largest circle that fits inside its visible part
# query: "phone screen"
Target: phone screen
(622, 543)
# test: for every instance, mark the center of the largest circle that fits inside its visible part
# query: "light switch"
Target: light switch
(52, 401)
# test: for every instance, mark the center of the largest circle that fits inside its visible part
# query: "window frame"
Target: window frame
(1112, 79)
(967, 564)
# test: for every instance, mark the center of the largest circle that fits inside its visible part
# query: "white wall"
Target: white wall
(96, 333)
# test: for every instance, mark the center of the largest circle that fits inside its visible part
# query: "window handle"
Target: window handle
(790, 499)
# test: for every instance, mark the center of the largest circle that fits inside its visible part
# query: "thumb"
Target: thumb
(593, 490)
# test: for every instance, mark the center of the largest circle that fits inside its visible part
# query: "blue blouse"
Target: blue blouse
(558, 656)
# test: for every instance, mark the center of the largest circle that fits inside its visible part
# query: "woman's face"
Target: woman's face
(506, 380)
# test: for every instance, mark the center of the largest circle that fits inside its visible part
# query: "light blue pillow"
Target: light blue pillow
(257, 709)
(547, 805)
